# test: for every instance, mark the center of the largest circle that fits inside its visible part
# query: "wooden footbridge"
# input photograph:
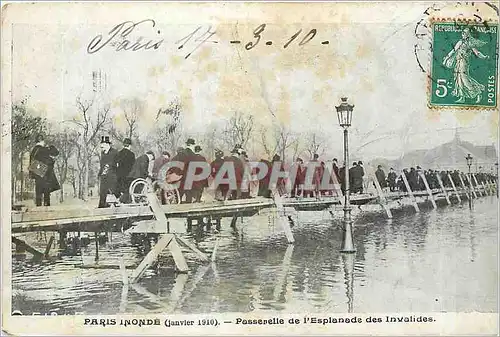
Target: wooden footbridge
(154, 218)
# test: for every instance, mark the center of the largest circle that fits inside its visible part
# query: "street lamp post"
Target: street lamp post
(344, 114)
(469, 158)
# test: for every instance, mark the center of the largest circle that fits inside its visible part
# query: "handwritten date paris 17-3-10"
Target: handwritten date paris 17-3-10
(122, 38)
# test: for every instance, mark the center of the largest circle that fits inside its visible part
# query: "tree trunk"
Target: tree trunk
(86, 172)
(61, 196)
(22, 177)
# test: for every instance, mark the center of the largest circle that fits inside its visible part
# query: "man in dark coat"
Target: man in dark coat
(220, 189)
(264, 190)
(336, 169)
(46, 184)
(141, 167)
(361, 172)
(159, 162)
(300, 178)
(124, 161)
(380, 175)
(185, 156)
(391, 178)
(413, 179)
(199, 185)
(40, 152)
(107, 172)
(356, 179)
(342, 178)
(239, 169)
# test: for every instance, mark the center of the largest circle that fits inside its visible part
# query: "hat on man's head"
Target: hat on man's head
(190, 141)
(151, 153)
(39, 138)
(166, 153)
(335, 159)
(360, 162)
(197, 148)
(127, 141)
(105, 140)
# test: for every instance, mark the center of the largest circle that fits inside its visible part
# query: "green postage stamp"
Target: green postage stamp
(464, 68)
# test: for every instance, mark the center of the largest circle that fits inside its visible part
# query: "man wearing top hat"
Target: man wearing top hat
(107, 172)
(125, 161)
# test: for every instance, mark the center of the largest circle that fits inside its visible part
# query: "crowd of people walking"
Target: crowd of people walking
(118, 169)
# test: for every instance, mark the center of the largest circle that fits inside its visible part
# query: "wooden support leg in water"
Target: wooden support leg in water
(454, 188)
(485, 189)
(151, 257)
(62, 239)
(469, 179)
(442, 188)
(381, 196)
(481, 191)
(429, 192)
(191, 246)
(49, 245)
(410, 193)
(96, 237)
(464, 187)
(282, 218)
(23, 245)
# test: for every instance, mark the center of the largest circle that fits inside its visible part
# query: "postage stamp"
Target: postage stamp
(249, 168)
(464, 70)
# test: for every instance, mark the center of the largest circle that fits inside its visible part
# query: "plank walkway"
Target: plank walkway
(71, 218)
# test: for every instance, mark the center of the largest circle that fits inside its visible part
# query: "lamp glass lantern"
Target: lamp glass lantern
(344, 113)
(469, 159)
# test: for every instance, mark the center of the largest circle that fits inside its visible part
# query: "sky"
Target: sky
(369, 58)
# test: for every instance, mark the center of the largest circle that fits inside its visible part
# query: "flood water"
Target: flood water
(438, 260)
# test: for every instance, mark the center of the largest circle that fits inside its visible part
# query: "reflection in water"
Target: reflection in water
(428, 261)
(348, 262)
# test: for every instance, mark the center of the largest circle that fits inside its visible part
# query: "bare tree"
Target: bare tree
(269, 144)
(72, 178)
(315, 143)
(25, 128)
(168, 131)
(89, 123)
(131, 112)
(284, 138)
(239, 129)
(64, 142)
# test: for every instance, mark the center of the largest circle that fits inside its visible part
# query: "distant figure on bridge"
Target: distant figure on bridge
(300, 177)
(280, 184)
(342, 179)
(124, 161)
(413, 179)
(264, 182)
(185, 156)
(107, 172)
(335, 166)
(380, 175)
(356, 174)
(199, 185)
(391, 179)
(235, 191)
(221, 189)
(247, 176)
